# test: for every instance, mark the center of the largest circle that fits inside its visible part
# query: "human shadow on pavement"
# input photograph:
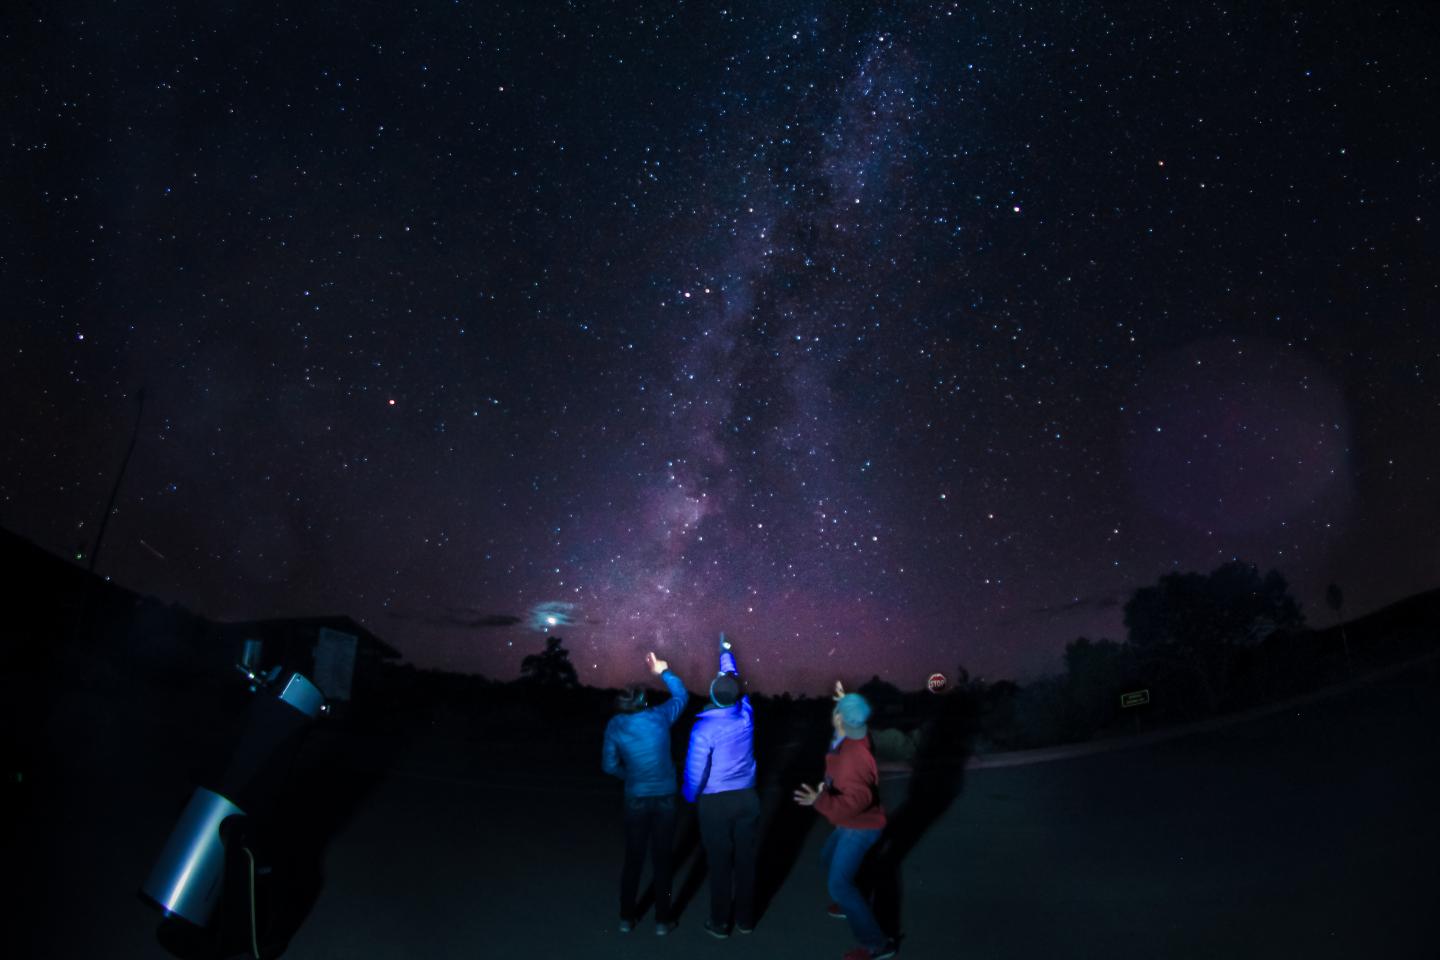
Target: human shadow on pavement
(324, 799)
(323, 789)
(785, 825)
(687, 845)
(936, 780)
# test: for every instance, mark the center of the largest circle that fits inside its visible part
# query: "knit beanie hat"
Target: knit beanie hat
(725, 689)
(854, 710)
(631, 699)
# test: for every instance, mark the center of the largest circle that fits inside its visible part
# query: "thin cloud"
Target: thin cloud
(458, 618)
(1079, 604)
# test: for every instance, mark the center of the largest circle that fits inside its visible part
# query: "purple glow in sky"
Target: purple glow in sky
(885, 342)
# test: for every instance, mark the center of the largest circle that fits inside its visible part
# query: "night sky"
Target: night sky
(885, 338)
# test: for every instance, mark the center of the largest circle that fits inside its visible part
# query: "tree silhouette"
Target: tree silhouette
(882, 695)
(551, 668)
(1195, 624)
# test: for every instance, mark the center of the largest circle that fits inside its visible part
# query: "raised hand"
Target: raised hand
(656, 665)
(839, 690)
(724, 644)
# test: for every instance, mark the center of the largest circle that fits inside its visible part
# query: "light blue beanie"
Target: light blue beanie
(854, 710)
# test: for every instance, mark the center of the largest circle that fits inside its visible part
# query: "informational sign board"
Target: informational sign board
(1135, 698)
(335, 663)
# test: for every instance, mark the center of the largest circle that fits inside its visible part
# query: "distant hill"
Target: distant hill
(1404, 628)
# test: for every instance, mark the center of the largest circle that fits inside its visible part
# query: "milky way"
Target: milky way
(885, 342)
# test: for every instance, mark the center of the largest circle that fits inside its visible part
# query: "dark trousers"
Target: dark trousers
(649, 821)
(729, 825)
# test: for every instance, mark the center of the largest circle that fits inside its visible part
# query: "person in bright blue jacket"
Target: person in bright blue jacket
(637, 749)
(720, 781)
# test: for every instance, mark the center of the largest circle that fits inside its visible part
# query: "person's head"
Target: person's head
(850, 716)
(631, 699)
(724, 689)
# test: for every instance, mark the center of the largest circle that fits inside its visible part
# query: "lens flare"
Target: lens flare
(546, 616)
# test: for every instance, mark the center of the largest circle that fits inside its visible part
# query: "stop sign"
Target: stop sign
(936, 683)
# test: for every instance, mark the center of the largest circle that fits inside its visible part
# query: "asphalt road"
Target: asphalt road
(1310, 834)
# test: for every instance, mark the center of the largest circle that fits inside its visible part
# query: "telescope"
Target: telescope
(211, 846)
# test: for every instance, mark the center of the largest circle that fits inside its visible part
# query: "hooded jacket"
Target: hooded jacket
(722, 750)
(637, 745)
(850, 796)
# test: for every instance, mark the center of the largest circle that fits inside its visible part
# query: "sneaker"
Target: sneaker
(835, 910)
(661, 929)
(626, 925)
(719, 931)
(742, 928)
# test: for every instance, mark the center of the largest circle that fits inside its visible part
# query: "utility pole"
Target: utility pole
(119, 479)
(87, 605)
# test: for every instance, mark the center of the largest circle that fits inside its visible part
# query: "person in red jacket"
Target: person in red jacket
(850, 799)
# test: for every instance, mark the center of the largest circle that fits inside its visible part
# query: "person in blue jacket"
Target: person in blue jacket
(720, 780)
(637, 749)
